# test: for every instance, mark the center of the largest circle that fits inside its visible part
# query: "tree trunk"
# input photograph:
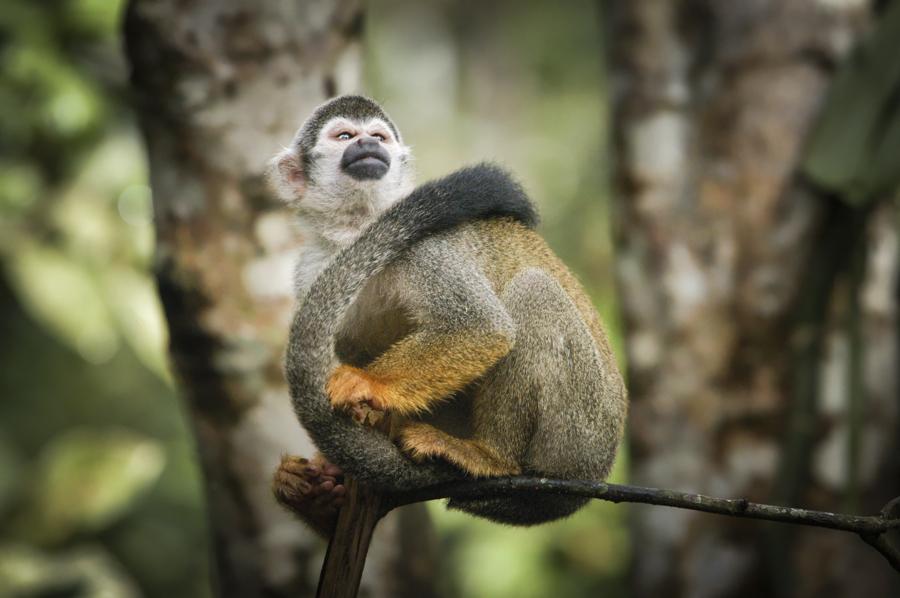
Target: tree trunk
(747, 295)
(220, 87)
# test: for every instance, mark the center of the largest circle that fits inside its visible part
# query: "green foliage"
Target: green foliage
(11, 474)
(855, 149)
(99, 489)
(85, 479)
(102, 460)
(86, 572)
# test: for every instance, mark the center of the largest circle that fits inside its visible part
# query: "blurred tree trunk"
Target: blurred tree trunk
(220, 87)
(760, 309)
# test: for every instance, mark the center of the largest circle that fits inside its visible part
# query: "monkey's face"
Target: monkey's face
(364, 157)
(361, 152)
(355, 170)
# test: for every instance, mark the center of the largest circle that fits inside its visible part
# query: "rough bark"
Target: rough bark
(730, 267)
(219, 87)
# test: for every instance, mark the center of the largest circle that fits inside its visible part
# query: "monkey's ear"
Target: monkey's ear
(285, 174)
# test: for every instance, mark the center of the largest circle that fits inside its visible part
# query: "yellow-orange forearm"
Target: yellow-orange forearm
(419, 370)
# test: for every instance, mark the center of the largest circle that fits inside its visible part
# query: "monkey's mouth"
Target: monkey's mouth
(365, 163)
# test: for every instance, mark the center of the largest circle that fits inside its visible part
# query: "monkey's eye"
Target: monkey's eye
(344, 136)
(379, 136)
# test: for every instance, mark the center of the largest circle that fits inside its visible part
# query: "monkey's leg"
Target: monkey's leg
(536, 403)
(422, 441)
(312, 489)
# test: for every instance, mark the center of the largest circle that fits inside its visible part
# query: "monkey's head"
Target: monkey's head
(346, 165)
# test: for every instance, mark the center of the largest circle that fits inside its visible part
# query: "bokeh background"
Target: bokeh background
(98, 481)
(101, 493)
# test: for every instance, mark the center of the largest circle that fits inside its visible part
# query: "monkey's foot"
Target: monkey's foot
(353, 390)
(311, 488)
(423, 441)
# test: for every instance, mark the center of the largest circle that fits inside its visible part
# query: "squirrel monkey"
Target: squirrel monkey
(442, 306)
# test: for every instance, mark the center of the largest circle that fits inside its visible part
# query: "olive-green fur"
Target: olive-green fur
(554, 404)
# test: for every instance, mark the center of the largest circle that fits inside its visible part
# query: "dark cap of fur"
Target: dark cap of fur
(348, 106)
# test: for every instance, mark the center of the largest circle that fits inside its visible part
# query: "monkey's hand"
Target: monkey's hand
(312, 488)
(353, 390)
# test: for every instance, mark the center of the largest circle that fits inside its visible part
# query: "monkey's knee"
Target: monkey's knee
(537, 298)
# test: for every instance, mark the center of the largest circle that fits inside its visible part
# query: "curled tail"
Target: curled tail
(474, 193)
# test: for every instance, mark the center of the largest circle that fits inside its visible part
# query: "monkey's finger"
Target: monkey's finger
(360, 413)
(292, 470)
(374, 416)
(320, 460)
(293, 495)
(332, 470)
(322, 479)
(285, 477)
(302, 486)
(292, 461)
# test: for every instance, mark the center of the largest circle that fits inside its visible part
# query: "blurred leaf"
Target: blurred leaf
(64, 295)
(98, 17)
(135, 304)
(11, 470)
(87, 227)
(24, 571)
(85, 572)
(116, 162)
(855, 149)
(67, 105)
(20, 183)
(86, 479)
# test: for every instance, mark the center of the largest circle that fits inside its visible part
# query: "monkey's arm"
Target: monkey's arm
(462, 330)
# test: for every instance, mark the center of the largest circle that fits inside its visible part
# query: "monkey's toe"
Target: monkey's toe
(421, 441)
(313, 489)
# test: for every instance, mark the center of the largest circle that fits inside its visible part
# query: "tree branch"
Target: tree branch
(871, 528)
(345, 559)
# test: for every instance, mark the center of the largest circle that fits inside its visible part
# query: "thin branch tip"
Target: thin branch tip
(873, 529)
